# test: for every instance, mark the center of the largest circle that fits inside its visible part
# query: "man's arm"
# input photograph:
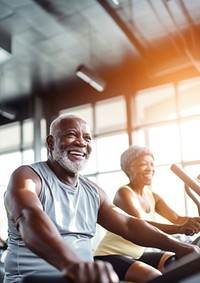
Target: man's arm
(40, 234)
(138, 231)
(35, 227)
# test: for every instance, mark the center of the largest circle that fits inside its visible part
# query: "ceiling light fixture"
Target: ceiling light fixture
(7, 112)
(91, 78)
(5, 47)
(4, 55)
(116, 2)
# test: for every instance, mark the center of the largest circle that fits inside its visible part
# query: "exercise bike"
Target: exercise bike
(192, 188)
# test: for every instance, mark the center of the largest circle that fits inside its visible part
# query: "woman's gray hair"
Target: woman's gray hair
(131, 154)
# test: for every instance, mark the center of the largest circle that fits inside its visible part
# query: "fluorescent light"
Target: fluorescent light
(4, 55)
(116, 2)
(5, 46)
(7, 112)
(91, 78)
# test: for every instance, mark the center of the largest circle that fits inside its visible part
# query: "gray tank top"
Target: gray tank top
(74, 211)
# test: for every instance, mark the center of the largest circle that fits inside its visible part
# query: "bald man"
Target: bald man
(53, 211)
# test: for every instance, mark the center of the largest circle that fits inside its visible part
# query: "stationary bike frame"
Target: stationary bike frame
(192, 185)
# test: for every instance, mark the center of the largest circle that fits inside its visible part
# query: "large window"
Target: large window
(110, 115)
(16, 148)
(155, 105)
(189, 97)
(167, 121)
(109, 149)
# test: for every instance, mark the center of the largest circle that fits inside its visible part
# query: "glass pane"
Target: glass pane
(85, 111)
(153, 105)
(194, 171)
(190, 140)
(110, 115)
(8, 163)
(110, 182)
(28, 156)
(43, 130)
(109, 150)
(91, 166)
(138, 137)
(170, 188)
(44, 154)
(164, 142)
(10, 137)
(27, 132)
(189, 97)
(3, 216)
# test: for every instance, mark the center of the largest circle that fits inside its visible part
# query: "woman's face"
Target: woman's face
(141, 171)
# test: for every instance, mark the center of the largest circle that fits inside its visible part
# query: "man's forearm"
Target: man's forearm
(166, 228)
(145, 234)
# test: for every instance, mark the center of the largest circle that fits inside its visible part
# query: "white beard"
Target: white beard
(74, 166)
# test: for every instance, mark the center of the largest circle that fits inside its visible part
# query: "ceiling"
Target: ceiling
(50, 39)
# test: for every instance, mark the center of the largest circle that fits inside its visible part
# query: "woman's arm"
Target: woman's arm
(181, 224)
(127, 201)
(139, 231)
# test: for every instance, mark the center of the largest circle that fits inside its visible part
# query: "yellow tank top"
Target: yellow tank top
(113, 244)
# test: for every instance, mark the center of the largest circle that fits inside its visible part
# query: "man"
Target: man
(53, 211)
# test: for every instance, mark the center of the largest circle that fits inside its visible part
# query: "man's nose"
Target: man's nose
(81, 141)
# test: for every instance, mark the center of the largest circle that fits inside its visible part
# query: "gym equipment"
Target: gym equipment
(191, 185)
(45, 279)
(189, 181)
(48, 279)
(182, 271)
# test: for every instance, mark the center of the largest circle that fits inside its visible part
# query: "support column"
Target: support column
(37, 116)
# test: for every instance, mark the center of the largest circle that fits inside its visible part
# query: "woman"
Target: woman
(136, 198)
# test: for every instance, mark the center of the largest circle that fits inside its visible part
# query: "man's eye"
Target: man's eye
(88, 138)
(69, 135)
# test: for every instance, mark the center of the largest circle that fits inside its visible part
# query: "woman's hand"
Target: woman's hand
(191, 226)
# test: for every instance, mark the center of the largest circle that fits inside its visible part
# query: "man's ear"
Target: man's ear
(50, 142)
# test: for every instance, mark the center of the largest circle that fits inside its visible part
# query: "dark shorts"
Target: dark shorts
(122, 263)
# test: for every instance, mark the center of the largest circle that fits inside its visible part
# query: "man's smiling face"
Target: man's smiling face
(72, 144)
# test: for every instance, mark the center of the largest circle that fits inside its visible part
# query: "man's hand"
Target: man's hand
(93, 272)
(185, 249)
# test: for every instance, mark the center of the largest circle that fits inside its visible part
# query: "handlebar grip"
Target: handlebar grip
(45, 279)
(190, 181)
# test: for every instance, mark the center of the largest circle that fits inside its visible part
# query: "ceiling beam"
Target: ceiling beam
(134, 41)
